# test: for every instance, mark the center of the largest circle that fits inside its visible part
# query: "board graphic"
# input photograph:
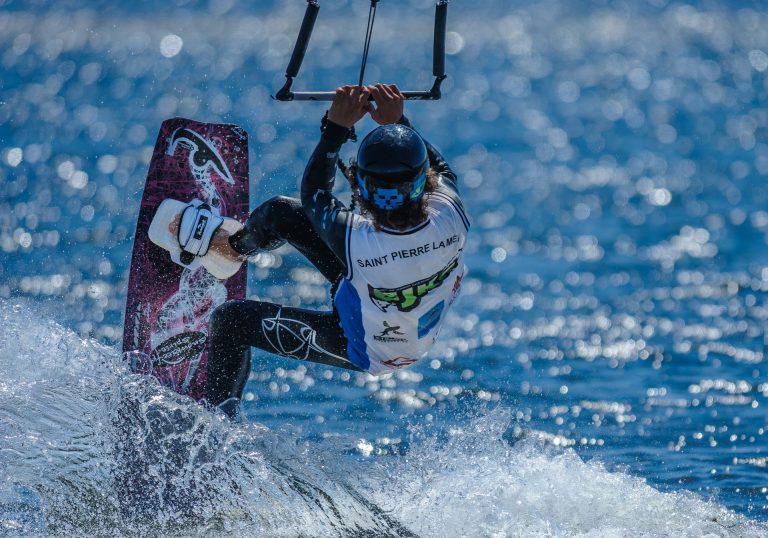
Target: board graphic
(169, 306)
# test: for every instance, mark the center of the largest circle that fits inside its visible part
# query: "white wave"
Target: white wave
(72, 419)
(477, 484)
(87, 447)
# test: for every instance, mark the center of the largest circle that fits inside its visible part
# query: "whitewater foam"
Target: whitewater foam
(72, 417)
(478, 484)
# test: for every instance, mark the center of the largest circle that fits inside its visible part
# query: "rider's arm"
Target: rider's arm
(327, 214)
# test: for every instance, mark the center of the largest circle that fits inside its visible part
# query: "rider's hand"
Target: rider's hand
(389, 103)
(349, 105)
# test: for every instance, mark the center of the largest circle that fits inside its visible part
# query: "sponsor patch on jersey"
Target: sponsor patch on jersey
(391, 333)
(428, 321)
(398, 362)
(408, 297)
(457, 285)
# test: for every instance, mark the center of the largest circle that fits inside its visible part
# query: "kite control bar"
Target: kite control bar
(302, 41)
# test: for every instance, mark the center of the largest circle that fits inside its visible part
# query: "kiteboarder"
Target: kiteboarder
(395, 266)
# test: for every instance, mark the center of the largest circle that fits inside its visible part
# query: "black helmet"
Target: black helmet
(392, 164)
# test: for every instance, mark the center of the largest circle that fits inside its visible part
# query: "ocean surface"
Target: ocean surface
(604, 373)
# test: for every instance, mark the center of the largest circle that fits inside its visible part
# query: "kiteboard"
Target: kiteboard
(170, 302)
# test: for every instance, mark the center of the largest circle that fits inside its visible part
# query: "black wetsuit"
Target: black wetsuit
(316, 226)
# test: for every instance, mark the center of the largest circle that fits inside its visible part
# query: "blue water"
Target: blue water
(604, 373)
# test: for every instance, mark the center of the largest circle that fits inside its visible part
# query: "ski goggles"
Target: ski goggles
(390, 194)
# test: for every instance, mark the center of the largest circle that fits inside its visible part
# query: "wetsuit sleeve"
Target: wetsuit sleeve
(327, 214)
(438, 163)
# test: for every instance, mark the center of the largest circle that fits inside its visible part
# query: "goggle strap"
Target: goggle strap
(382, 196)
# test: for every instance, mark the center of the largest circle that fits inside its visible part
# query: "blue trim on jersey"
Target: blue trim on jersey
(347, 302)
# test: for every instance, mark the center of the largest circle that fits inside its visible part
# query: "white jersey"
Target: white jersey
(400, 284)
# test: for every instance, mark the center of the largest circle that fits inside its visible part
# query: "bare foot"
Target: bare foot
(219, 242)
(220, 245)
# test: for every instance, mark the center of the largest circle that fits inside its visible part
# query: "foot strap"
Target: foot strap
(198, 224)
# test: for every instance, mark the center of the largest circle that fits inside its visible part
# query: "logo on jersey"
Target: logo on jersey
(457, 284)
(398, 362)
(409, 297)
(428, 321)
(390, 329)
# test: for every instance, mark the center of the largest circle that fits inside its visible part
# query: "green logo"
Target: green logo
(409, 297)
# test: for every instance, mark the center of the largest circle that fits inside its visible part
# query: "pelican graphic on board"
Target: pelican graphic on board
(203, 157)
